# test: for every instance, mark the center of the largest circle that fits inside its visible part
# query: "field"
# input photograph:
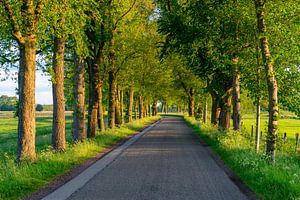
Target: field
(288, 123)
(28, 178)
(8, 130)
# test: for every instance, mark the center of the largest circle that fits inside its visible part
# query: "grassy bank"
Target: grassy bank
(16, 182)
(269, 181)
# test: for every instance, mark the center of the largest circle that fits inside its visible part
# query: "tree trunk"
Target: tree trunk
(122, 107)
(236, 96)
(135, 110)
(141, 107)
(149, 110)
(58, 123)
(191, 102)
(271, 79)
(205, 112)
(257, 123)
(225, 115)
(162, 107)
(130, 104)
(154, 107)
(79, 130)
(101, 123)
(26, 122)
(112, 99)
(215, 111)
(118, 107)
(95, 85)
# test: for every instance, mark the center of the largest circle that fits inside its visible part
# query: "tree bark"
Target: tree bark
(135, 110)
(118, 107)
(236, 96)
(154, 107)
(225, 115)
(58, 123)
(191, 102)
(149, 110)
(271, 79)
(257, 123)
(130, 104)
(26, 122)
(122, 107)
(79, 130)
(141, 107)
(205, 112)
(215, 111)
(101, 123)
(112, 99)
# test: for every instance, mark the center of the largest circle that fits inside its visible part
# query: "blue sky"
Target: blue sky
(43, 88)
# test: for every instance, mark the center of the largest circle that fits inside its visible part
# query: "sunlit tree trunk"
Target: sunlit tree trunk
(26, 123)
(205, 112)
(141, 107)
(236, 96)
(118, 107)
(271, 79)
(191, 102)
(101, 123)
(79, 130)
(225, 114)
(122, 106)
(130, 104)
(58, 123)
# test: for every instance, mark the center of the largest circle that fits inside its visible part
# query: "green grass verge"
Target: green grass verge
(18, 181)
(269, 181)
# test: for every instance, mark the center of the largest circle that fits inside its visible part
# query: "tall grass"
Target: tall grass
(18, 181)
(279, 181)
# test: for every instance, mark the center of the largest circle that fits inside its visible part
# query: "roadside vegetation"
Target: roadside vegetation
(277, 181)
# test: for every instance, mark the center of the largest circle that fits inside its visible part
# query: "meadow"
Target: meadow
(29, 177)
(288, 123)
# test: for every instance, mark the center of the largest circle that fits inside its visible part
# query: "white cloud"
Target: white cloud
(43, 88)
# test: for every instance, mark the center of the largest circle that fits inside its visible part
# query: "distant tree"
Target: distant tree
(8, 103)
(39, 107)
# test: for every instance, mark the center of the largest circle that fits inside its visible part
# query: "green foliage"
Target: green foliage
(39, 107)
(8, 103)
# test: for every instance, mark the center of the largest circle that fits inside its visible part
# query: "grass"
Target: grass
(8, 132)
(269, 181)
(18, 181)
(288, 123)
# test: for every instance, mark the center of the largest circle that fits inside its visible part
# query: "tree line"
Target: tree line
(101, 55)
(128, 57)
(234, 44)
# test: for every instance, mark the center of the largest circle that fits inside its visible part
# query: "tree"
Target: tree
(39, 107)
(24, 19)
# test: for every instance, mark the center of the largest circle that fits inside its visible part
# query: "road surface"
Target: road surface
(166, 163)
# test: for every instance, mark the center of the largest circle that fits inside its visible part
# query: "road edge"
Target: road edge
(228, 171)
(59, 181)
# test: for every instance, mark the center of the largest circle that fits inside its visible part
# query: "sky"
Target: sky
(43, 87)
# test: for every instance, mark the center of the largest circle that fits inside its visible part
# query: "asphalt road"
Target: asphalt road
(166, 163)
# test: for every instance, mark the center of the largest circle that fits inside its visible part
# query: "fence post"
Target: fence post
(284, 137)
(257, 141)
(297, 142)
